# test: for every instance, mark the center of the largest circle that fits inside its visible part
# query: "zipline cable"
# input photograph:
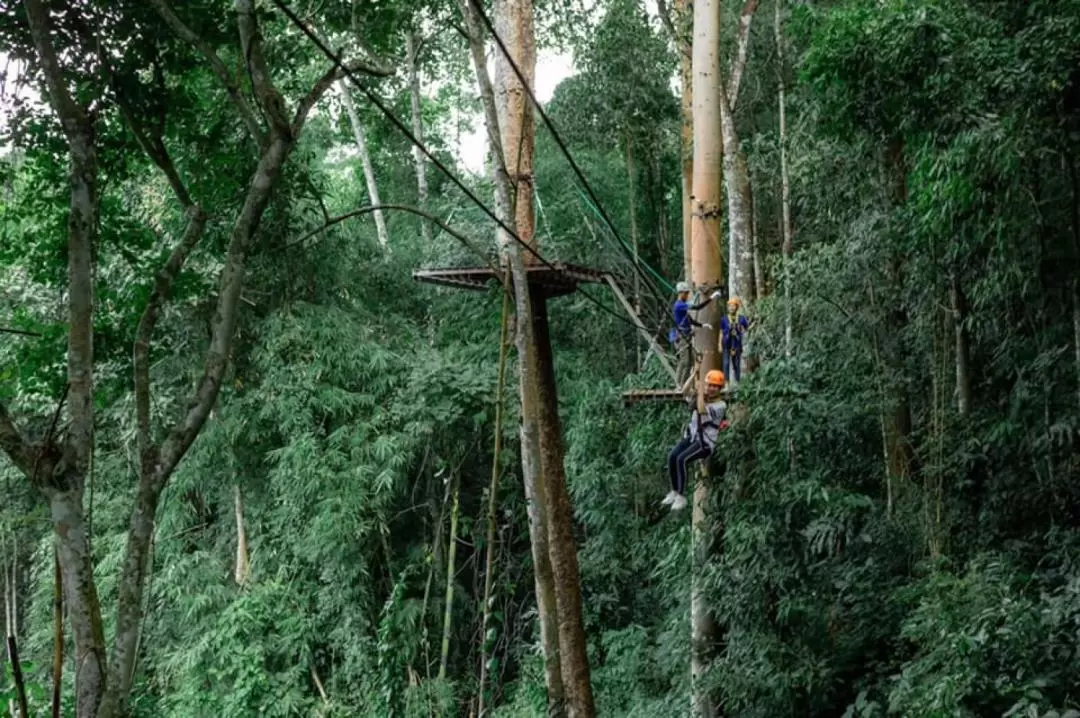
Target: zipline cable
(401, 127)
(558, 138)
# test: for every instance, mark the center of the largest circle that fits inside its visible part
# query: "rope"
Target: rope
(295, 20)
(659, 277)
(554, 133)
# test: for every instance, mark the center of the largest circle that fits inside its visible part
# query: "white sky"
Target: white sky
(551, 69)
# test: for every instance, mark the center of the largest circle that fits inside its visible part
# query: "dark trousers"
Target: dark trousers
(732, 367)
(685, 451)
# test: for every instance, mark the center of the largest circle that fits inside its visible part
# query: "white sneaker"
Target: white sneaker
(669, 499)
(679, 503)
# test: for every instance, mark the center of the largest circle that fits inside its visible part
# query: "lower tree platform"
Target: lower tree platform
(634, 396)
(556, 280)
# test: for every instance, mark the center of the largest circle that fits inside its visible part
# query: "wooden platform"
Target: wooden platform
(635, 396)
(555, 281)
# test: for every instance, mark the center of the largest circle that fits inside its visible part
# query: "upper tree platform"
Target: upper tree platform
(556, 280)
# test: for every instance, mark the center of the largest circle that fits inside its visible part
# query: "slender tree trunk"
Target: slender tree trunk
(58, 637)
(759, 270)
(411, 50)
(365, 161)
(898, 419)
(707, 272)
(963, 353)
(243, 566)
(787, 246)
(492, 518)
(451, 557)
(740, 208)
(683, 11)
(630, 172)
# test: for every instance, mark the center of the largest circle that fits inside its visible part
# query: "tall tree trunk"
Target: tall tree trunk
(737, 170)
(963, 353)
(506, 120)
(898, 423)
(411, 50)
(64, 488)
(451, 556)
(573, 648)
(365, 161)
(683, 11)
(243, 566)
(740, 208)
(706, 273)
(787, 240)
(492, 517)
(630, 172)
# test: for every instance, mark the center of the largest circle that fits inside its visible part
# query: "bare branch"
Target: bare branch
(18, 448)
(8, 330)
(738, 63)
(227, 80)
(262, 183)
(143, 335)
(327, 80)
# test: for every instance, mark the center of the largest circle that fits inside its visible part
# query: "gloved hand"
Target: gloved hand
(725, 425)
(707, 326)
(716, 295)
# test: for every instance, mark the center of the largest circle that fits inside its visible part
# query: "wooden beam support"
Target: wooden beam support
(653, 345)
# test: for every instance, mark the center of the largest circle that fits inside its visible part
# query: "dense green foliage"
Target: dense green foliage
(356, 399)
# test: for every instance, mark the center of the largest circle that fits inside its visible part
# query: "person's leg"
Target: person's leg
(672, 460)
(726, 363)
(692, 451)
(737, 365)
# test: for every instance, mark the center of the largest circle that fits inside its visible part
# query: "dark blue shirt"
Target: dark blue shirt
(682, 317)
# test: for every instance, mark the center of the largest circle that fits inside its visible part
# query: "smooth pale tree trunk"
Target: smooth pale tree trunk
(242, 570)
(451, 560)
(411, 50)
(499, 114)
(365, 162)
(787, 240)
(740, 196)
(740, 209)
(706, 273)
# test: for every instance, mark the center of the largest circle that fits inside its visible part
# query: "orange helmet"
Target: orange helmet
(736, 301)
(715, 377)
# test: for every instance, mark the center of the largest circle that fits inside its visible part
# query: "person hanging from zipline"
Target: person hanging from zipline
(682, 335)
(698, 439)
(733, 326)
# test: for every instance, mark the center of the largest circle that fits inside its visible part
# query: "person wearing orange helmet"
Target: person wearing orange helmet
(698, 439)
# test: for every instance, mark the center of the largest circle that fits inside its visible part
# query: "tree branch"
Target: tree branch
(144, 333)
(738, 63)
(270, 99)
(227, 80)
(327, 80)
(18, 448)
